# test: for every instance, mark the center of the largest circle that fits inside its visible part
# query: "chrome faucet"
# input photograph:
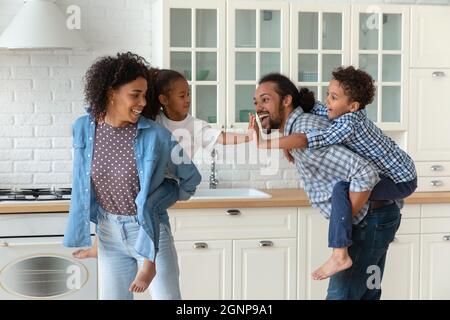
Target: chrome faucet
(213, 182)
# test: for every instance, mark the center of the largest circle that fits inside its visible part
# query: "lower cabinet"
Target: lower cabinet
(270, 253)
(242, 253)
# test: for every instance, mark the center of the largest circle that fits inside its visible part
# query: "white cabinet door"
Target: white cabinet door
(429, 134)
(257, 44)
(320, 42)
(428, 48)
(317, 252)
(265, 269)
(205, 269)
(380, 46)
(401, 272)
(435, 264)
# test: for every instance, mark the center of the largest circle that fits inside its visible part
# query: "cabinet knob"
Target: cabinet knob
(266, 243)
(446, 238)
(437, 74)
(437, 167)
(436, 183)
(200, 245)
(233, 212)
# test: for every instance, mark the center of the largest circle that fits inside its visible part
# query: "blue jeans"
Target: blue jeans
(371, 239)
(340, 228)
(118, 260)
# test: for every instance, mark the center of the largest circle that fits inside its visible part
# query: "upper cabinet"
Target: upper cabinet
(380, 46)
(189, 36)
(430, 27)
(320, 42)
(257, 44)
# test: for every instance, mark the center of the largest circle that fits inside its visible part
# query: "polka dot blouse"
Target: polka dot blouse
(114, 173)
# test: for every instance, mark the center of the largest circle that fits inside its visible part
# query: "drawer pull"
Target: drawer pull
(4, 244)
(436, 183)
(266, 243)
(437, 168)
(200, 245)
(438, 74)
(446, 238)
(233, 212)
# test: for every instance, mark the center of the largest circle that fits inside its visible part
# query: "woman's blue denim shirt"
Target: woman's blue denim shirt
(155, 152)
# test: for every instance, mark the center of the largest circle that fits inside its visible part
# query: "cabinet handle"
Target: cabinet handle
(436, 183)
(233, 212)
(4, 244)
(437, 74)
(200, 245)
(437, 167)
(266, 243)
(446, 238)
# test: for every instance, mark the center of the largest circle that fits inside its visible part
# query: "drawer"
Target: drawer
(433, 169)
(436, 210)
(233, 223)
(409, 226)
(427, 184)
(436, 225)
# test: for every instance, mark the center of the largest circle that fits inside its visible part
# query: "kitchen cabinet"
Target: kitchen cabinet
(320, 42)
(225, 253)
(428, 49)
(189, 36)
(435, 251)
(380, 46)
(257, 44)
(206, 269)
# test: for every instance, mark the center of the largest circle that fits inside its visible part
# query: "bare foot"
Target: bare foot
(335, 264)
(142, 281)
(85, 253)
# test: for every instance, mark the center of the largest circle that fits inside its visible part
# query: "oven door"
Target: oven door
(42, 268)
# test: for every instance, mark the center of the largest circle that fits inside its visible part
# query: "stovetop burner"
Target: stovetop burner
(35, 194)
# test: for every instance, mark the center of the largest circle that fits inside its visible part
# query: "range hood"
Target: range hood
(40, 25)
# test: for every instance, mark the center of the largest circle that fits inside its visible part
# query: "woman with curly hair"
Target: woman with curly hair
(119, 183)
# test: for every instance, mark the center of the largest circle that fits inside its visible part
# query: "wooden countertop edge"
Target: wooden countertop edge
(280, 198)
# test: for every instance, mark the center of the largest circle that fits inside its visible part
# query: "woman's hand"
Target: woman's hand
(288, 155)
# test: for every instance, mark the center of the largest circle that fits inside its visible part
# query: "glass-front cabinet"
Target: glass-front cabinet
(223, 47)
(380, 47)
(189, 36)
(257, 44)
(320, 42)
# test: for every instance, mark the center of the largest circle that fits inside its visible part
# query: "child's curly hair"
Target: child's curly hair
(358, 85)
(110, 73)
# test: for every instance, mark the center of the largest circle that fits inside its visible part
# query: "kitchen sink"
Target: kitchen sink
(230, 193)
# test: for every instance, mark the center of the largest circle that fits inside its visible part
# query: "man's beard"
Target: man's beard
(275, 123)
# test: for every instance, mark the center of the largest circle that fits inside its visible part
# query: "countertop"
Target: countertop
(280, 198)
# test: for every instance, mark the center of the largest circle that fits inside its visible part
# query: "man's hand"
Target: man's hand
(253, 126)
(288, 156)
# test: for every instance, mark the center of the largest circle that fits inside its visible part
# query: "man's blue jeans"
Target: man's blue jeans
(371, 239)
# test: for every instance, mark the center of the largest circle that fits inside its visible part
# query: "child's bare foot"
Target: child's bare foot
(85, 253)
(335, 264)
(143, 279)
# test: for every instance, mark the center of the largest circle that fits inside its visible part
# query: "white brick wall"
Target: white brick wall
(41, 95)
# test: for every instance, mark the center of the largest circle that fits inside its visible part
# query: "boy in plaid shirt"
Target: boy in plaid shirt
(349, 92)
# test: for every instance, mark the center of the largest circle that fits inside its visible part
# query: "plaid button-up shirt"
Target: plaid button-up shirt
(363, 137)
(320, 169)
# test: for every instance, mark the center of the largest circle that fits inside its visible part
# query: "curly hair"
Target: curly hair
(358, 85)
(111, 73)
(160, 82)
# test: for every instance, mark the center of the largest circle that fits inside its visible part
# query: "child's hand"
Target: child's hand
(288, 156)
